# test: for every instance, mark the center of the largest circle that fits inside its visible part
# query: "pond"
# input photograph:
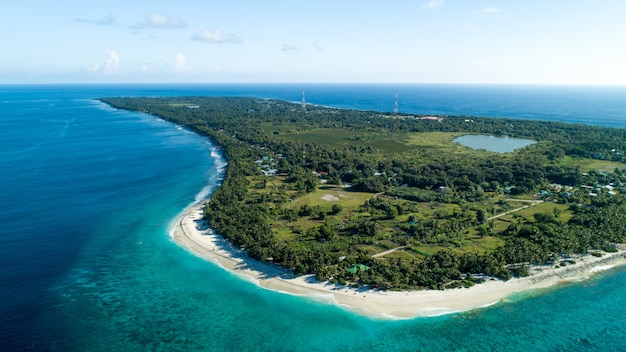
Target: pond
(494, 144)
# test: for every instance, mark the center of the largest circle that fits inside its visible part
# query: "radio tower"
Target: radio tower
(303, 102)
(395, 104)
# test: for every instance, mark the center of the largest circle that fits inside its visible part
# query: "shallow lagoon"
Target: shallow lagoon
(494, 144)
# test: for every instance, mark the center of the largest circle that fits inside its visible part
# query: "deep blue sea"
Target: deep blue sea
(87, 194)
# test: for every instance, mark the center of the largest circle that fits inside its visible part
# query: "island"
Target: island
(385, 214)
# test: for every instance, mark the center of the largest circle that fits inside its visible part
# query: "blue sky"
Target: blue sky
(392, 41)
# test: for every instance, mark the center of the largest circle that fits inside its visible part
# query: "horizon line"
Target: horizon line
(313, 83)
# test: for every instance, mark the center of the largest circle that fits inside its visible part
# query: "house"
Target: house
(354, 269)
(444, 189)
(269, 172)
(556, 187)
(508, 189)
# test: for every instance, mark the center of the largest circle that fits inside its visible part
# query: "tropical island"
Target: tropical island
(389, 201)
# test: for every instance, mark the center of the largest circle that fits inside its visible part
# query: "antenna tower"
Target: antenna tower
(303, 102)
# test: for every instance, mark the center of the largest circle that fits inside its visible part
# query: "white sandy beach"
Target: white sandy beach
(192, 233)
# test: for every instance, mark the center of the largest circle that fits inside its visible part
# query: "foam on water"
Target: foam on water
(219, 160)
(436, 312)
(219, 164)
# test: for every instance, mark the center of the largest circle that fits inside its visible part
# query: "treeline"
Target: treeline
(249, 129)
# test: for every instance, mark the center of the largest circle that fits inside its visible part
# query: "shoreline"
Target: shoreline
(189, 231)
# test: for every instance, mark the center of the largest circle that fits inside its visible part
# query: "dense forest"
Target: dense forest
(390, 201)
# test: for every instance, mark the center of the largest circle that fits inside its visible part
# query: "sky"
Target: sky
(274, 41)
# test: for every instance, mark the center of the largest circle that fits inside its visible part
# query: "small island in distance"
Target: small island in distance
(388, 201)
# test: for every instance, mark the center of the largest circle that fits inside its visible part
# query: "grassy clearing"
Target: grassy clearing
(347, 138)
(586, 164)
(328, 136)
(432, 139)
(326, 197)
(440, 142)
(479, 245)
(564, 214)
(281, 128)
(295, 230)
(402, 254)
(501, 224)
(426, 251)
(545, 207)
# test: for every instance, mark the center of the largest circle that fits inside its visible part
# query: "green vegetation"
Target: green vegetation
(391, 202)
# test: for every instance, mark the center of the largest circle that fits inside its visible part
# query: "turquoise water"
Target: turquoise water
(493, 143)
(87, 194)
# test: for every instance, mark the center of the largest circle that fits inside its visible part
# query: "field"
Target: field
(587, 164)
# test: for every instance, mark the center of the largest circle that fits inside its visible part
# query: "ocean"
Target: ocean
(87, 194)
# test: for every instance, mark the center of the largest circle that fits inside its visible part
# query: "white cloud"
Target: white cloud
(179, 63)
(109, 66)
(112, 63)
(107, 20)
(157, 20)
(288, 47)
(434, 4)
(492, 10)
(216, 36)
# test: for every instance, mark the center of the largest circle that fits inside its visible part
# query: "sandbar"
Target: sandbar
(193, 233)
